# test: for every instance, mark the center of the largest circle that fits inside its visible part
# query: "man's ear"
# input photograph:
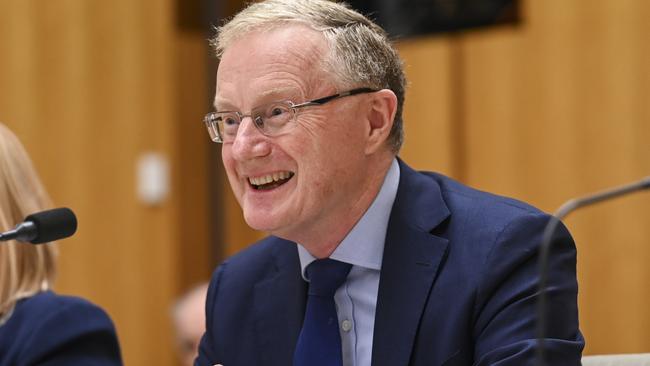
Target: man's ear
(380, 117)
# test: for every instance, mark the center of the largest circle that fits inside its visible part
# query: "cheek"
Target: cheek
(231, 172)
(323, 140)
(324, 170)
(327, 152)
(228, 162)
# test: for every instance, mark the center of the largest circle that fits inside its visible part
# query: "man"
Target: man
(188, 318)
(308, 106)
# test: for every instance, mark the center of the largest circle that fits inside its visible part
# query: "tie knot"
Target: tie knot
(326, 275)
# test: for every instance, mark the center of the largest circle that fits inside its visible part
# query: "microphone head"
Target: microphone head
(53, 224)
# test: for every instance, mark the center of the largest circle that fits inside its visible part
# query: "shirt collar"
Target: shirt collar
(364, 244)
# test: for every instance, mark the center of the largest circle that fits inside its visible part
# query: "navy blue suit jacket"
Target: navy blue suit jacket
(458, 286)
(52, 330)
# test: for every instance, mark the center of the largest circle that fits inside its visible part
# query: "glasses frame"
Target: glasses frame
(212, 124)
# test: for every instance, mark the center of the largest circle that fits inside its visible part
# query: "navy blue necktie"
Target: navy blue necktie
(319, 343)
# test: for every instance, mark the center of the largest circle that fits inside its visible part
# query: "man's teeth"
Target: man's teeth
(269, 178)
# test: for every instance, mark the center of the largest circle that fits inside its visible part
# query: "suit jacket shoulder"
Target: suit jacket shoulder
(58, 330)
(254, 307)
(459, 279)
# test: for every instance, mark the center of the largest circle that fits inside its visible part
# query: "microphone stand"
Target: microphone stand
(544, 249)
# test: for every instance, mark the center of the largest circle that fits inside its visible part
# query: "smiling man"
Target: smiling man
(368, 262)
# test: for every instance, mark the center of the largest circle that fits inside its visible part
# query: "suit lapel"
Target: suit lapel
(279, 306)
(412, 258)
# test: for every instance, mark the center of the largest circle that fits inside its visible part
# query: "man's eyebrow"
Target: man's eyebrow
(269, 95)
(284, 92)
(221, 102)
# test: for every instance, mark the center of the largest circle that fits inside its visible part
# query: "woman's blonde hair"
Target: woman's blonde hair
(25, 269)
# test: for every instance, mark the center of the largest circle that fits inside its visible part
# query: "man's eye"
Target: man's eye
(229, 121)
(259, 121)
(277, 111)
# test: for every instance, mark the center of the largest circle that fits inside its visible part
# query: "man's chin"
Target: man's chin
(258, 223)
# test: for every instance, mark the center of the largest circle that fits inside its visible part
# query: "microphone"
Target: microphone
(544, 249)
(43, 227)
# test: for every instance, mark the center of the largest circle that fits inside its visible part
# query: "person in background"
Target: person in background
(37, 326)
(188, 317)
(369, 262)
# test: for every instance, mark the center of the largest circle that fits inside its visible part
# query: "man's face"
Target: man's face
(318, 167)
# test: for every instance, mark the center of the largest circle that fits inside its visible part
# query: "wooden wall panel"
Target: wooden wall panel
(193, 149)
(430, 119)
(89, 87)
(557, 108)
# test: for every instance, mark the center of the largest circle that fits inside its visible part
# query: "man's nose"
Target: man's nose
(249, 142)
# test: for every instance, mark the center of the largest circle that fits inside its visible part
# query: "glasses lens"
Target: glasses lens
(228, 125)
(222, 127)
(273, 119)
(211, 124)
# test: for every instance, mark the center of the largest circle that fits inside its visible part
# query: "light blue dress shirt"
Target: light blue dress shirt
(363, 247)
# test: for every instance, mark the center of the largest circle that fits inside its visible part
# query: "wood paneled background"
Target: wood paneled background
(553, 108)
(90, 87)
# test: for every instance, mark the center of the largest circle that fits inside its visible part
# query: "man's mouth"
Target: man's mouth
(270, 181)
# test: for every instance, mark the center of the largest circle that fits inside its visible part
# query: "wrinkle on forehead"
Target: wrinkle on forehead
(260, 63)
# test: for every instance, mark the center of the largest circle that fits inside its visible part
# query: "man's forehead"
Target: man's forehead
(270, 94)
(295, 43)
(279, 63)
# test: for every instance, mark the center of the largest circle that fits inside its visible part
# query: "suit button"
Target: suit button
(346, 325)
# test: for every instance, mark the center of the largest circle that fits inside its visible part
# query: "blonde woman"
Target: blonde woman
(38, 326)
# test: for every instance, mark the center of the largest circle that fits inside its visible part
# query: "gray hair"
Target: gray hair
(361, 54)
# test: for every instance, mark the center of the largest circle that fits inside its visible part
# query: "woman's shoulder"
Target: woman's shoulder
(49, 304)
(48, 323)
(51, 313)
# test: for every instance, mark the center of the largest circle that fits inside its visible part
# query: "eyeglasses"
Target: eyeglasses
(271, 119)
